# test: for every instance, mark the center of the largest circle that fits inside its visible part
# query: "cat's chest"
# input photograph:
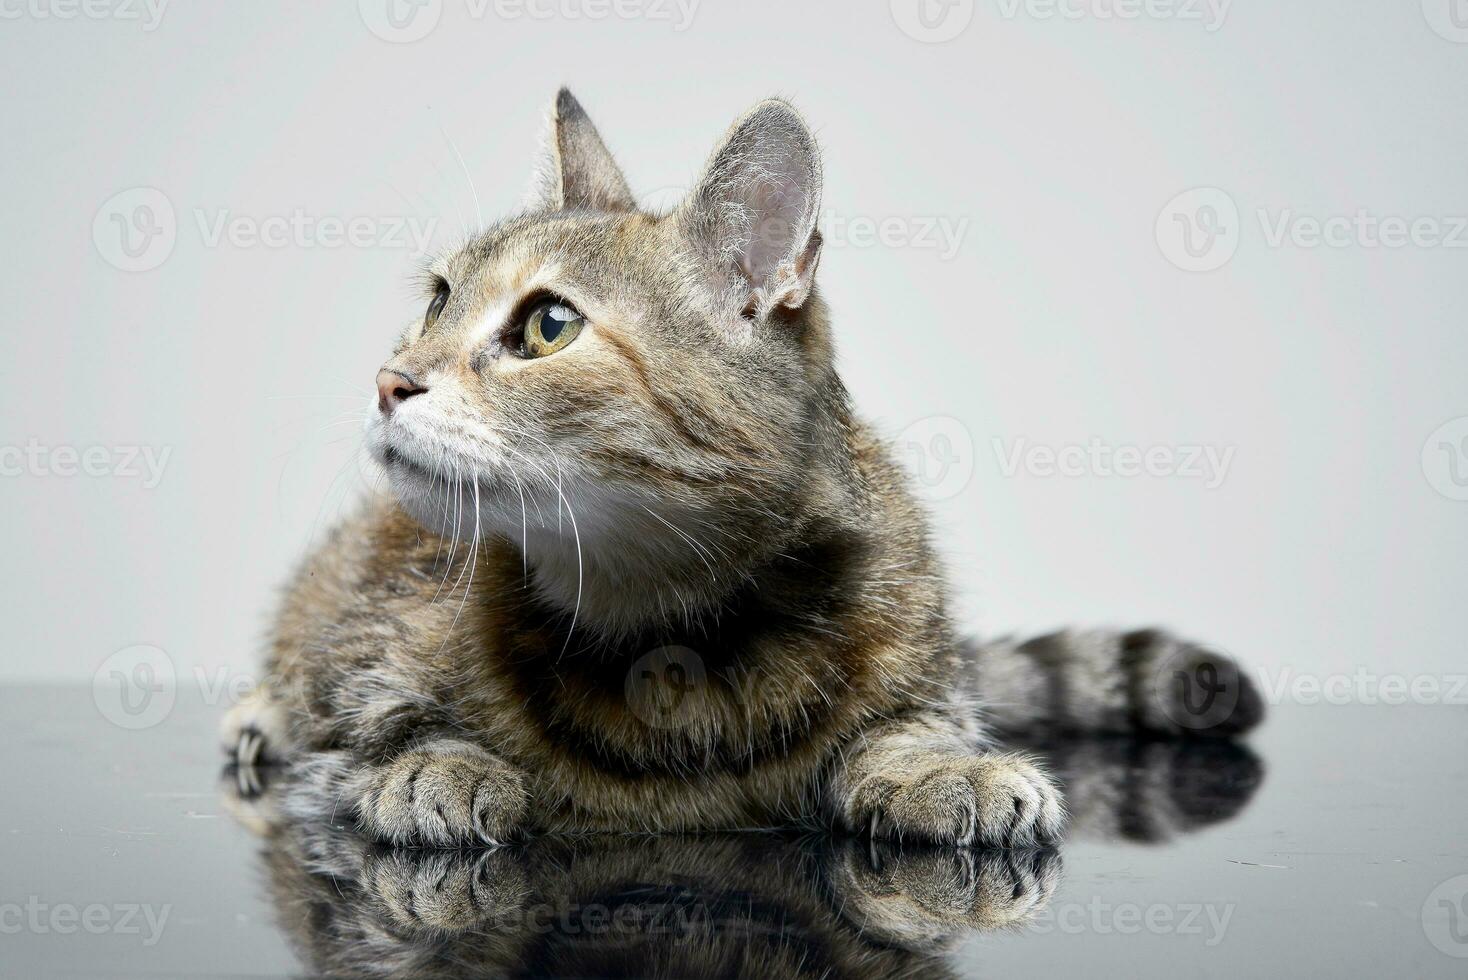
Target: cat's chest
(666, 704)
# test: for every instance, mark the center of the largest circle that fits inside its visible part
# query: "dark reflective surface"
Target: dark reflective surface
(732, 905)
(127, 853)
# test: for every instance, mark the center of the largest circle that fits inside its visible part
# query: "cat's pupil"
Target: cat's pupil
(550, 328)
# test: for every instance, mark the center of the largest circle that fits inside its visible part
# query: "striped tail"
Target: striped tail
(1105, 681)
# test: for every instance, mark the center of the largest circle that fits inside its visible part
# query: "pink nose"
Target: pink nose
(393, 389)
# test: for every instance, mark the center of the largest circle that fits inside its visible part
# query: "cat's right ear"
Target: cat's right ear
(575, 168)
(752, 216)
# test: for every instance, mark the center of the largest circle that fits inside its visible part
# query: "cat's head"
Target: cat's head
(592, 369)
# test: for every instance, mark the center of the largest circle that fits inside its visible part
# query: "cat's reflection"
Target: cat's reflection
(1121, 788)
(729, 905)
(745, 905)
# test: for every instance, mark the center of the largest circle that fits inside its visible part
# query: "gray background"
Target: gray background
(1053, 144)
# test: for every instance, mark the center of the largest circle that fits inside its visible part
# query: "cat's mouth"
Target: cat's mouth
(399, 464)
(394, 459)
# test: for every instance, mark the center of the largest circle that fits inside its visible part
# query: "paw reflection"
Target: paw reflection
(753, 905)
(731, 905)
(445, 891)
(928, 896)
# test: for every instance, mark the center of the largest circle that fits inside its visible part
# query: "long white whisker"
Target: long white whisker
(478, 212)
(691, 543)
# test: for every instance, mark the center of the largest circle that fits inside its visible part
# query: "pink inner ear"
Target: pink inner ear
(775, 205)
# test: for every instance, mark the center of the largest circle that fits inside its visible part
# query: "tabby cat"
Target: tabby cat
(641, 568)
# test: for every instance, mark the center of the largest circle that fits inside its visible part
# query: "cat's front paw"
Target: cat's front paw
(993, 800)
(444, 794)
(253, 732)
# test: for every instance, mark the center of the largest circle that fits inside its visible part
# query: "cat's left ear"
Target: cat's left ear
(575, 169)
(752, 215)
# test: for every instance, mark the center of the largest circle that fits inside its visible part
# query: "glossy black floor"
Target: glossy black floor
(1331, 844)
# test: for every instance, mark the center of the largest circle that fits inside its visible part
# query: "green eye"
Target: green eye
(549, 327)
(435, 305)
